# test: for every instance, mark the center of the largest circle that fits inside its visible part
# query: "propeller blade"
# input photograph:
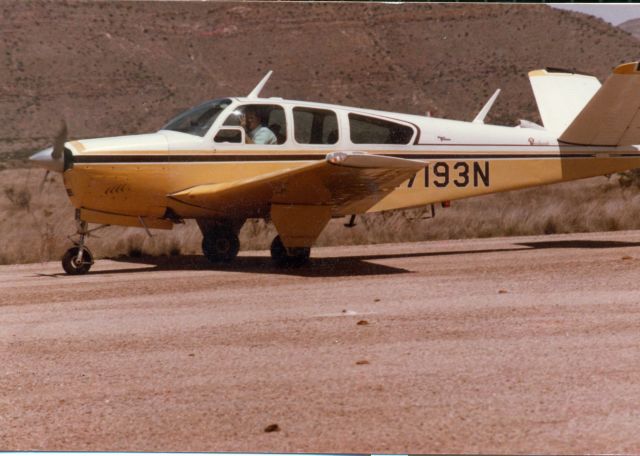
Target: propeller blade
(52, 158)
(44, 180)
(58, 143)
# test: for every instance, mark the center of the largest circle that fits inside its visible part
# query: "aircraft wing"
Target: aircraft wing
(347, 182)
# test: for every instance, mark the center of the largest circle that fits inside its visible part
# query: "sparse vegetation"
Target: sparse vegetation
(629, 178)
(421, 63)
(35, 228)
(19, 197)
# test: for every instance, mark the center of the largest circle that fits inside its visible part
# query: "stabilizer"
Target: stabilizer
(612, 116)
(561, 95)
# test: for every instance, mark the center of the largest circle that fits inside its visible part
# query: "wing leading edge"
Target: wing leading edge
(349, 182)
(302, 199)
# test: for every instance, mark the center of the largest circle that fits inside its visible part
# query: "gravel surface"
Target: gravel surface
(519, 345)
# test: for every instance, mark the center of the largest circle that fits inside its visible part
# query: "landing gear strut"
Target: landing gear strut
(292, 257)
(220, 244)
(78, 259)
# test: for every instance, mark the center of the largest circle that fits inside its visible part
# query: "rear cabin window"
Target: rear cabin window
(315, 126)
(263, 124)
(368, 130)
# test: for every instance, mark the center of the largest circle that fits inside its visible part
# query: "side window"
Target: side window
(368, 130)
(315, 126)
(229, 135)
(263, 124)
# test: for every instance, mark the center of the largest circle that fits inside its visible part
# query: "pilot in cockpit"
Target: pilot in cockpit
(256, 132)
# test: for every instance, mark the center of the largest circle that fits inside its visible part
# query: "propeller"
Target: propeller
(52, 158)
(44, 180)
(58, 142)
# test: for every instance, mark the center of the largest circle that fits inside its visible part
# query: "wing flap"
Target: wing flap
(349, 182)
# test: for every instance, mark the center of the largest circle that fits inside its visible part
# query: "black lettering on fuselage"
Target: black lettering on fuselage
(462, 180)
(441, 174)
(458, 173)
(479, 173)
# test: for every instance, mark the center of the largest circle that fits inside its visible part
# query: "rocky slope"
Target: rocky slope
(111, 68)
(632, 26)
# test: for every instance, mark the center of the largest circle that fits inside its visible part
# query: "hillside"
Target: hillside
(124, 67)
(632, 26)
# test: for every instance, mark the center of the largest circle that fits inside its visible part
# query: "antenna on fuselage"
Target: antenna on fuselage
(485, 109)
(255, 93)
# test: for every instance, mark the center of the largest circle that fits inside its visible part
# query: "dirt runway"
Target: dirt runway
(519, 345)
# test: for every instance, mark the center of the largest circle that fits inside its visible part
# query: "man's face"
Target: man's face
(251, 120)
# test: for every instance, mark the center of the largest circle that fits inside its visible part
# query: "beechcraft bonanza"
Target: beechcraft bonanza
(299, 164)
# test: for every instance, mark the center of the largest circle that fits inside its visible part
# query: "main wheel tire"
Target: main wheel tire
(70, 262)
(220, 245)
(295, 257)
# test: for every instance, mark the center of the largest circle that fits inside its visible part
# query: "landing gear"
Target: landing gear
(78, 259)
(292, 257)
(220, 244)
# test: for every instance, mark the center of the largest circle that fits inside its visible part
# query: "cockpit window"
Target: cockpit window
(198, 120)
(263, 124)
(369, 130)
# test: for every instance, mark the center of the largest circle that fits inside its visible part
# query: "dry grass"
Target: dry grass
(35, 223)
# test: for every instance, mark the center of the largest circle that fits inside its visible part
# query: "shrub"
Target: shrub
(19, 198)
(628, 178)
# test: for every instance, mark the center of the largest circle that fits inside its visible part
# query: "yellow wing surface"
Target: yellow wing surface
(302, 199)
(612, 116)
(348, 182)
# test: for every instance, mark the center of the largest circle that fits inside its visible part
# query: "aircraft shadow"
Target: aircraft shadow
(579, 244)
(317, 267)
(360, 265)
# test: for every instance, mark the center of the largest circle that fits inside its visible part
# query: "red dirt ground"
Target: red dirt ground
(511, 345)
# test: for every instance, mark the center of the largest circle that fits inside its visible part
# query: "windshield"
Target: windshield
(198, 120)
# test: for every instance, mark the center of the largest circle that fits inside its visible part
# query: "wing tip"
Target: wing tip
(537, 73)
(627, 68)
(558, 72)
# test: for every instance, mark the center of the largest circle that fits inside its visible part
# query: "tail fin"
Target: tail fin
(561, 95)
(612, 116)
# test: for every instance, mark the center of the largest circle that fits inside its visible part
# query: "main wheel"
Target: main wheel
(295, 257)
(70, 262)
(220, 245)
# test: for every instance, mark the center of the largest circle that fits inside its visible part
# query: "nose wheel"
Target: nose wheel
(77, 261)
(292, 257)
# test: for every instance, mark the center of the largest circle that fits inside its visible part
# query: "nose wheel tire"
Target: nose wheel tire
(70, 262)
(294, 257)
(220, 246)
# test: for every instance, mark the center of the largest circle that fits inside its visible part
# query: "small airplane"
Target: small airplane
(300, 164)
